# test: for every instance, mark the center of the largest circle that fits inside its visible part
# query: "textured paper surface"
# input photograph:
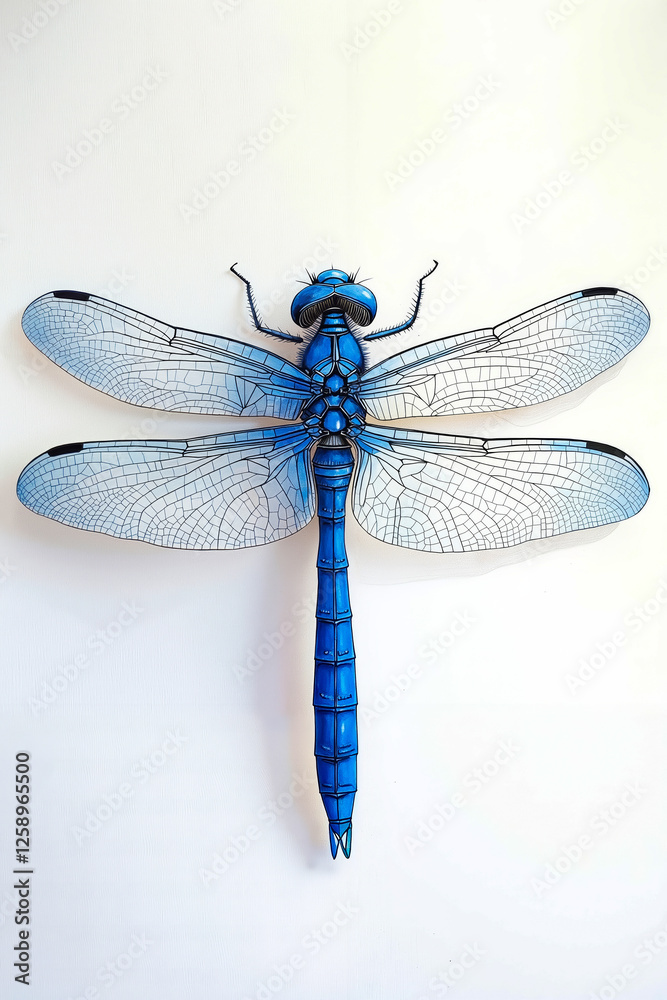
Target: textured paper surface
(511, 703)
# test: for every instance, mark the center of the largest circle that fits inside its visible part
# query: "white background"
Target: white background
(360, 100)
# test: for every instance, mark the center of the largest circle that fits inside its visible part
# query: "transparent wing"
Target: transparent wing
(441, 493)
(535, 356)
(221, 492)
(143, 361)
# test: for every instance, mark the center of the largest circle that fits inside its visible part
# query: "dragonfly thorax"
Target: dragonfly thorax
(334, 407)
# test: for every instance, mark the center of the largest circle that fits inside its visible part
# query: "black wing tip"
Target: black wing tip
(604, 290)
(608, 449)
(599, 290)
(65, 449)
(65, 293)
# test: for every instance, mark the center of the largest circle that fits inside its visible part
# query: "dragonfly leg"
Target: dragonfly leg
(254, 312)
(377, 334)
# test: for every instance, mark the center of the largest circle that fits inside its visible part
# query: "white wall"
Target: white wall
(354, 107)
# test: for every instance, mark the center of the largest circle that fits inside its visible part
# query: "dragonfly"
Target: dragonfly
(429, 491)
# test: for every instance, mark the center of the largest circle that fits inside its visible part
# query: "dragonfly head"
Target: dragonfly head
(334, 289)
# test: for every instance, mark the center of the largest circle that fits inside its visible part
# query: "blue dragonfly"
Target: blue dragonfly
(427, 491)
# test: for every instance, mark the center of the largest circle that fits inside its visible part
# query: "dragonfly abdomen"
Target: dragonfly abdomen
(335, 690)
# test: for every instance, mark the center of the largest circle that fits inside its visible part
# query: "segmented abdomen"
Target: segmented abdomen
(335, 693)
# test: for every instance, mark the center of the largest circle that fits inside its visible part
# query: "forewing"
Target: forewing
(537, 355)
(139, 359)
(221, 492)
(441, 493)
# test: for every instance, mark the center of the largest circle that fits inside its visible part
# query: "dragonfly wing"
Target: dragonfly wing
(139, 359)
(221, 492)
(442, 493)
(537, 355)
